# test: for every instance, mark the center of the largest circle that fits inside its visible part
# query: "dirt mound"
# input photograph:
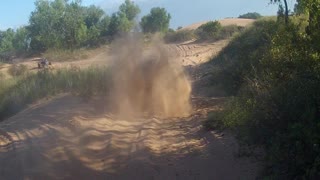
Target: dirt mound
(148, 82)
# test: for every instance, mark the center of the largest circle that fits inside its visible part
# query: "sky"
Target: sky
(15, 13)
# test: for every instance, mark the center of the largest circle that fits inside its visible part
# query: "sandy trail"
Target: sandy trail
(67, 138)
(83, 141)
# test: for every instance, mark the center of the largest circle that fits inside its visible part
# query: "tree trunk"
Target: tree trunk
(286, 11)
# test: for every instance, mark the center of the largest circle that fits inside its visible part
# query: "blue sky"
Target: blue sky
(15, 13)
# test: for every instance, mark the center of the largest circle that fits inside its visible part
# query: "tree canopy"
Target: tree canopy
(156, 21)
(64, 24)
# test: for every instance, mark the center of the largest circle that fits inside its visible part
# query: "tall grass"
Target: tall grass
(17, 93)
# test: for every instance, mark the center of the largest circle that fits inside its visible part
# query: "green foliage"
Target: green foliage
(213, 30)
(209, 30)
(179, 36)
(61, 24)
(6, 40)
(119, 24)
(104, 25)
(156, 21)
(17, 93)
(46, 24)
(251, 15)
(93, 16)
(274, 71)
(129, 9)
(75, 30)
(20, 40)
(123, 21)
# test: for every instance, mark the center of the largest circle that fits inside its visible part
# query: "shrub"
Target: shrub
(179, 36)
(213, 30)
(251, 15)
(209, 30)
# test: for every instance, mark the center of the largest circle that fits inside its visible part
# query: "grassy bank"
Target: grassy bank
(16, 93)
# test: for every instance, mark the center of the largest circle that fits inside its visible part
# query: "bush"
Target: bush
(179, 36)
(209, 30)
(251, 15)
(213, 30)
(18, 70)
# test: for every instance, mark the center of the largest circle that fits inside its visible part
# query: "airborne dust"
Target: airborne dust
(147, 80)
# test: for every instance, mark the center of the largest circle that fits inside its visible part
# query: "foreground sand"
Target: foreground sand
(66, 138)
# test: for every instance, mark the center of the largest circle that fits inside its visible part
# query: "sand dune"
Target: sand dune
(224, 22)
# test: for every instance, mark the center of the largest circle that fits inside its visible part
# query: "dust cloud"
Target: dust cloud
(147, 81)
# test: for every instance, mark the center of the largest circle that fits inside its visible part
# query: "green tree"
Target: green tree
(93, 15)
(130, 9)
(20, 40)
(6, 40)
(123, 20)
(286, 10)
(46, 24)
(75, 29)
(93, 36)
(156, 21)
(104, 25)
(119, 23)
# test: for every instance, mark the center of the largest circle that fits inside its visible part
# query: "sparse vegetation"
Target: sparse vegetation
(179, 36)
(18, 70)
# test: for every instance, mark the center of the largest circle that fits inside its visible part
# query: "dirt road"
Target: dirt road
(67, 138)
